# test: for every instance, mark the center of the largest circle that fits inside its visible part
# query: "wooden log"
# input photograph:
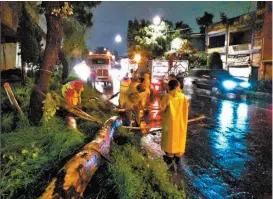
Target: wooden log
(11, 97)
(73, 178)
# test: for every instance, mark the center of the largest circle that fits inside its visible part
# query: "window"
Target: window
(100, 61)
(238, 38)
(217, 41)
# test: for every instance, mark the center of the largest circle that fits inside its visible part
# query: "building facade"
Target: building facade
(10, 15)
(9, 47)
(240, 42)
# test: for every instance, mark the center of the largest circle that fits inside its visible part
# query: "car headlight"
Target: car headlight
(245, 84)
(228, 84)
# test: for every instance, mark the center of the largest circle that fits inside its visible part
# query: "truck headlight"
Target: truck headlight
(245, 84)
(229, 85)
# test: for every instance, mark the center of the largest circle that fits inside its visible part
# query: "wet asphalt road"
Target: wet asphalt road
(229, 154)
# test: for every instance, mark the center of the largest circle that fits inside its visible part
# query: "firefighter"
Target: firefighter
(134, 99)
(175, 121)
(124, 87)
(72, 93)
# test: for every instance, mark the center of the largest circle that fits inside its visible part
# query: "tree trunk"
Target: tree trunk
(65, 65)
(53, 43)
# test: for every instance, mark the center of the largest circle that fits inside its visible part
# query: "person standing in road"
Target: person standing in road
(175, 122)
(124, 87)
(147, 83)
(134, 99)
(171, 77)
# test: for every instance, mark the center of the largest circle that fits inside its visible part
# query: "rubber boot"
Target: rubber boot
(179, 163)
(169, 162)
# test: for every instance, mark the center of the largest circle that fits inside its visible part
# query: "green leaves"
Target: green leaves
(51, 105)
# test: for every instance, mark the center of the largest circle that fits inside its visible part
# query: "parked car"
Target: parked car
(219, 82)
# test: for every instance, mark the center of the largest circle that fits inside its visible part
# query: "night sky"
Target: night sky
(111, 18)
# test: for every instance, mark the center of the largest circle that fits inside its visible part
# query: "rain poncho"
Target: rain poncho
(133, 97)
(175, 122)
(147, 84)
(124, 87)
(134, 100)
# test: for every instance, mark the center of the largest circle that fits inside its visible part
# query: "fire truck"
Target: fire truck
(161, 69)
(101, 65)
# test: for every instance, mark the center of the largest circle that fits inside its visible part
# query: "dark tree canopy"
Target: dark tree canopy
(204, 21)
(185, 29)
(223, 17)
(30, 39)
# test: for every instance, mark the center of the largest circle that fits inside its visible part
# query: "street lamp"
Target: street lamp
(156, 20)
(137, 58)
(118, 38)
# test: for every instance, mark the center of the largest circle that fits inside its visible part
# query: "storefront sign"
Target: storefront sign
(238, 60)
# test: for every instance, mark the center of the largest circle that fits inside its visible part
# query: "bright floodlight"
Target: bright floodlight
(108, 53)
(137, 58)
(118, 39)
(176, 44)
(82, 71)
(90, 53)
(157, 20)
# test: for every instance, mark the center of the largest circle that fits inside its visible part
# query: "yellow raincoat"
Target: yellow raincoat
(175, 122)
(72, 97)
(134, 101)
(147, 83)
(124, 87)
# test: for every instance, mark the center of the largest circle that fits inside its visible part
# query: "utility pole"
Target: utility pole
(227, 44)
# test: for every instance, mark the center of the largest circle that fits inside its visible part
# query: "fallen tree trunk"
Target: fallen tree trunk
(73, 178)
